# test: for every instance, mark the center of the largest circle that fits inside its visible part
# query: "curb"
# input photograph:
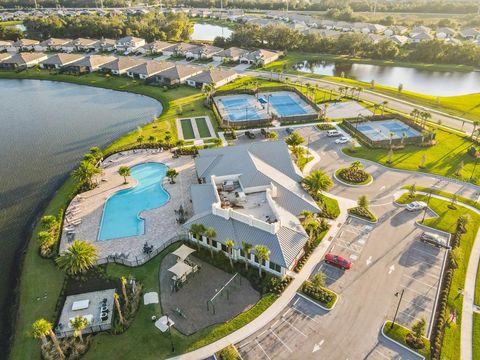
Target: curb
(362, 219)
(351, 185)
(399, 344)
(317, 304)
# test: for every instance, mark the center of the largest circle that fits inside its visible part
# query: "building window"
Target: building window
(224, 248)
(275, 267)
(214, 243)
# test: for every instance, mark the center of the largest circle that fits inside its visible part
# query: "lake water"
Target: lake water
(438, 83)
(209, 32)
(46, 127)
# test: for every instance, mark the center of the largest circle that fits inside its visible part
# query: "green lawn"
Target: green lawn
(203, 127)
(448, 195)
(331, 205)
(467, 106)
(187, 129)
(477, 288)
(476, 336)
(399, 333)
(444, 158)
(11, 23)
(447, 222)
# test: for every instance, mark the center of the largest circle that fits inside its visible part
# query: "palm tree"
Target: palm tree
(172, 174)
(356, 165)
(263, 254)
(247, 250)
(197, 231)
(123, 281)
(119, 309)
(391, 134)
(78, 323)
(85, 172)
(375, 108)
(152, 139)
(317, 182)
(272, 135)
(41, 328)
(140, 139)
(208, 89)
(383, 106)
(312, 227)
(78, 258)
(230, 244)
(210, 234)
(307, 215)
(96, 152)
(124, 171)
(475, 125)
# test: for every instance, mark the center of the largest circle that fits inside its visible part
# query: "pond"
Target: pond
(437, 83)
(46, 129)
(209, 32)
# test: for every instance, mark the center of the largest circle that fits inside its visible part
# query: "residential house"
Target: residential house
(149, 69)
(470, 34)
(260, 57)
(129, 44)
(156, 47)
(252, 193)
(25, 44)
(177, 74)
(420, 37)
(52, 44)
(120, 65)
(89, 64)
(373, 29)
(395, 30)
(445, 33)
(420, 29)
(399, 39)
(61, 60)
(215, 77)
(202, 52)
(180, 49)
(374, 38)
(23, 61)
(5, 56)
(106, 45)
(5, 45)
(230, 55)
(83, 44)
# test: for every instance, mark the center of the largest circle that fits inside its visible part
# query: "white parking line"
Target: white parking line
(421, 282)
(424, 251)
(423, 307)
(294, 328)
(381, 354)
(426, 262)
(301, 312)
(283, 343)
(263, 350)
(407, 289)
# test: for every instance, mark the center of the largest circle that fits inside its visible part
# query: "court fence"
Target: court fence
(424, 139)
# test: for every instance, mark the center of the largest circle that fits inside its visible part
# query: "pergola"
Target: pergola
(180, 269)
(182, 252)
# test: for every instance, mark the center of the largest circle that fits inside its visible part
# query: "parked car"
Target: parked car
(333, 133)
(342, 140)
(289, 130)
(338, 261)
(434, 239)
(416, 205)
(250, 134)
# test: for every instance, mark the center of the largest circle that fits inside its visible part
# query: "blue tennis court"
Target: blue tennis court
(240, 108)
(285, 105)
(381, 130)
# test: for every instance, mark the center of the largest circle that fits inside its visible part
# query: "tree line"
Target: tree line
(152, 26)
(279, 37)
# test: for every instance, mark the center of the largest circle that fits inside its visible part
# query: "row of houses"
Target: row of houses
(157, 72)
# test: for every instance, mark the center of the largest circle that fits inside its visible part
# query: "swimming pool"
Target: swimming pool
(380, 130)
(121, 211)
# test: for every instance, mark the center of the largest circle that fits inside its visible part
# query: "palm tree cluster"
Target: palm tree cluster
(349, 91)
(88, 168)
(317, 182)
(80, 257)
(422, 117)
(48, 236)
(42, 328)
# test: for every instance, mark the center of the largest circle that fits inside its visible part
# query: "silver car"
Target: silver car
(434, 239)
(416, 205)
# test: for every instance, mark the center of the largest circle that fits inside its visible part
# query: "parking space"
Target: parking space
(385, 349)
(286, 336)
(422, 268)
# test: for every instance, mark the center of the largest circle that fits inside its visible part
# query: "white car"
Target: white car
(342, 140)
(416, 205)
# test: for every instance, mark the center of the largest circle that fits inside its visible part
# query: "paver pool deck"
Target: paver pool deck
(160, 223)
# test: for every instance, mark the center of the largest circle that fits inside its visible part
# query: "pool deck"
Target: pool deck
(160, 223)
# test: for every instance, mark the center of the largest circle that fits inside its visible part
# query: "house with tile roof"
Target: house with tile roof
(22, 61)
(61, 60)
(149, 69)
(252, 193)
(216, 77)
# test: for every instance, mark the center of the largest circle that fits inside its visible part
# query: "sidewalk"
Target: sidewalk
(269, 314)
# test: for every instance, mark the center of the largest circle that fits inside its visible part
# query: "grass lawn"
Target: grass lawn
(448, 195)
(399, 333)
(203, 127)
(477, 288)
(187, 129)
(476, 335)
(444, 158)
(447, 222)
(11, 23)
(467, 106)
(331, 205)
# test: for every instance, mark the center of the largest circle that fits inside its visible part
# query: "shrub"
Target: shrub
(353, 174)
(319, 294)
(228, 353)
(362, 213)
(325, 126)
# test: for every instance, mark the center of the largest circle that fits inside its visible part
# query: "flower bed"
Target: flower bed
(399, 334)
(363, 213)
(353, 176)
(323, 296)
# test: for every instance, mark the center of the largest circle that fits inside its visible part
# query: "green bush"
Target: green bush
(363, 213)
(324, 296)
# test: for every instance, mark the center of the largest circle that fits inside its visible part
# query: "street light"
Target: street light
(398, 306)
(428, 203)
(170, 332)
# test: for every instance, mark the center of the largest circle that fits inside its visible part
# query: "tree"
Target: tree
(294, 139)
(247, 250)
(271, 135)
(423, 161)
(419, 329)
(116, 298)
(263, 254)
(317, 182)
(363, 201)
(390, 156)
(85, 172)
(210, 234)
(49, 223)
(475, 124)
(140, 139)
(96, 152)
(459, 169)
(41, 328)
(356, 165)
(412, 192)
(172, 174)
(318, 280)
(384, 103)
(78, 324)
(400, 87)
(312, 227)
(208, 89)
(123, 281)
(230, 244)
(152, 139)
(78, 258)
(124, 171)
(197, 231)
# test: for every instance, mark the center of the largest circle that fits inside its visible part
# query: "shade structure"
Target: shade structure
(180, 269)
(182, 252)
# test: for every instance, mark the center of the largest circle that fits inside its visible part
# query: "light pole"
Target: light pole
(268, 103)
(398, 306)
(474, 167)
(170, 332)
(426, 207)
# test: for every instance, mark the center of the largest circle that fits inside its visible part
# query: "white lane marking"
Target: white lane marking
(369, 260)
(421, 282)
(353, 257)
(381, 354)
(318, 346)
(283, 343)
(263, 350)
(295, 303)
(301, 312)
(391, 269)
(294, 328)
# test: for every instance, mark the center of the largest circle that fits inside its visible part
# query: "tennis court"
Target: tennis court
(286, 103)
(240, 108)
(382, 130)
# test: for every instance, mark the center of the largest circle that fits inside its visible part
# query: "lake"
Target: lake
(437, 83)
(209, 32)
(46, 129)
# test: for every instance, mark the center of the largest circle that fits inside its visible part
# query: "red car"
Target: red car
(338, 261)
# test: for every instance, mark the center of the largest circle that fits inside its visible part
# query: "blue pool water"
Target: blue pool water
(285, 105)
(122, 209)
(240, 109)
(380, 130)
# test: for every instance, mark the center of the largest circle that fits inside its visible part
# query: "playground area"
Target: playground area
(197, 128)
(205, 297)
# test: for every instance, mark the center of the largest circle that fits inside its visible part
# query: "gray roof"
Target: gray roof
(180, 71)
(213, 76)
(122, 63)
(94, 60)
(202, 197)
(151, 67)
(232, 52)
(24, 58)
(63, 59)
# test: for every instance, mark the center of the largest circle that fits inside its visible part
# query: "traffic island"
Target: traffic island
(403, 337)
